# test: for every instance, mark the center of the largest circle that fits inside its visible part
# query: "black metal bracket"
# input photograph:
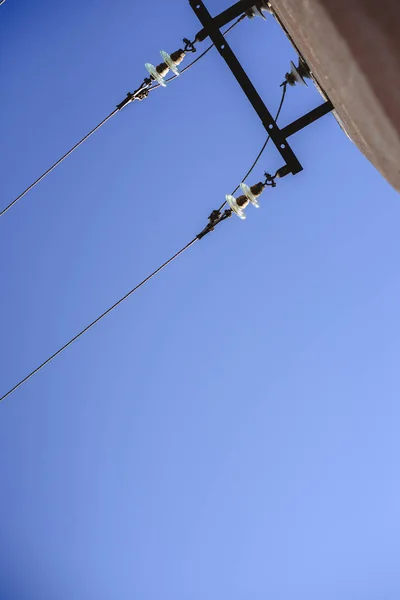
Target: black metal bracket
(233, 12)
(211, 29)
(314, 114)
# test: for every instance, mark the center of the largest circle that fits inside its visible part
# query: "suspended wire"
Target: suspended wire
(57, 163)
(114, 112)
(137, 287)
(159, 269)
(278, 112)
(93, 323)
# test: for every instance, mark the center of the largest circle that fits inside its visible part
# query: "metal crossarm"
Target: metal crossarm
(211, 28)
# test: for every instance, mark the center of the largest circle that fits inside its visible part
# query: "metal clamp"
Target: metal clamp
(213, 220)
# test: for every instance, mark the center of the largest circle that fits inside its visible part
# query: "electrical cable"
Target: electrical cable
(60, 160)
(104, 314)
(209, 228)
(278, 112)
(114, 112)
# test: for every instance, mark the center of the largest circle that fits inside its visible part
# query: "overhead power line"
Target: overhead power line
(139, 94)
(250, 194)
(60, 160)
(98, 319)
(214, 219)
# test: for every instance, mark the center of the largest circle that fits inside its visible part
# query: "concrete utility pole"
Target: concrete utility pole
(353, 50)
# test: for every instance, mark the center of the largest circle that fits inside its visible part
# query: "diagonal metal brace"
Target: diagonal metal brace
(314, 114)
(210, 26)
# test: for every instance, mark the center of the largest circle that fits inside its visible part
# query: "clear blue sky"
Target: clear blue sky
(232, 431)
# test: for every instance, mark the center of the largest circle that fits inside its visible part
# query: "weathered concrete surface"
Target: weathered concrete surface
(353, 49)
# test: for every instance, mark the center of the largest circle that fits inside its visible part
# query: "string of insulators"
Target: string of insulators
(171, 62)
(251, 194)
(298, 74)
(258, 9)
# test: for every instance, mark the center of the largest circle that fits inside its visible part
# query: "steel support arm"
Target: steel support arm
(241, 76)
(307, 119)
(226, 16)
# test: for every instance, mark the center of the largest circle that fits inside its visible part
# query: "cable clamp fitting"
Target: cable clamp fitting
(189, 46)
(270, 179)
(214, 219)
(140, 94)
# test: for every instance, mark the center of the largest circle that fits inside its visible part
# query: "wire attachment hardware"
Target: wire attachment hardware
(189, 46)
(214, 219)
(142, 94)
(270, 179)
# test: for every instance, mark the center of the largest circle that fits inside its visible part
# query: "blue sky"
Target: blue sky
(232, 430)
